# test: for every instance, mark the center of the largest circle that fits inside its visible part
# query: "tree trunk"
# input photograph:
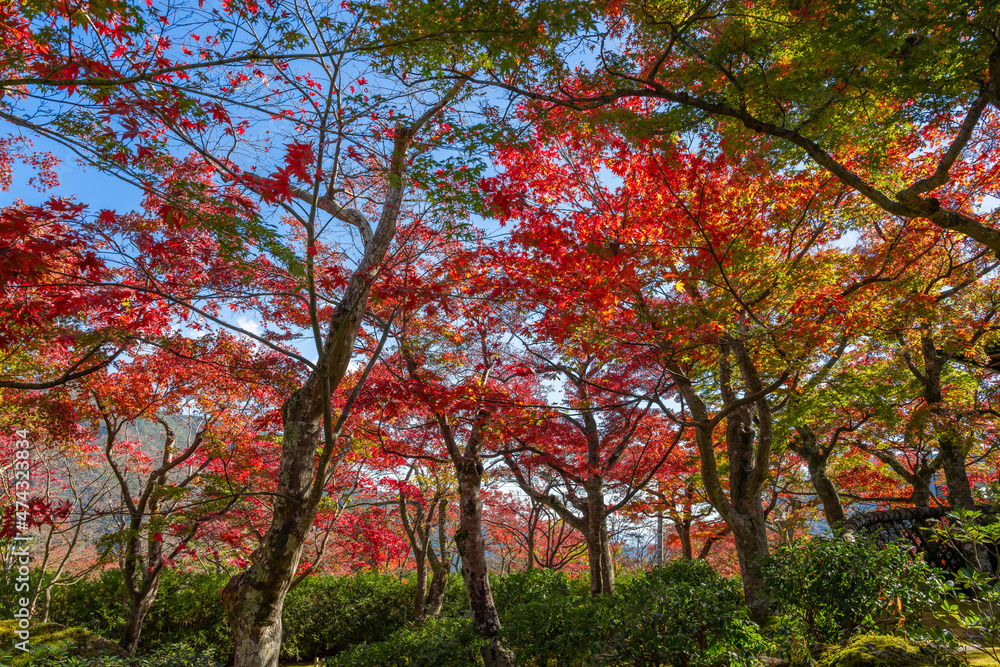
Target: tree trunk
(607, 559)
(751, 549)
(139, 606)
(439, 583)
(440, 564)
(46, 605)
(833, 509)
(142, 579)
(921, 483)
(684, 533)
(594, 559)
(259, 636)
(659, 539)
(602, 572)
(949, 443)
(746, 513)
(472, 549)
(749, 459)
(533, 517)
(808, 448)
(421, 593)
(254, 597)
(955, 474)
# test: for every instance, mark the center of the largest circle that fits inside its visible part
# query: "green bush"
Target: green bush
(455, 601)
(324, 615)
(973, 603)
(548, 618)
(684, 613)
(188, 610)
(175, 655)
(97, 604)
(829, 590)
(888, 651)
(438, 642)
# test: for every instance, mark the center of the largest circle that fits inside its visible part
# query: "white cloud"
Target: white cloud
(249, 325)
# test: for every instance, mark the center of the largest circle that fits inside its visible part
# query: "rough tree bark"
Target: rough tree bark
(749, 460)
(254, 598)
(816, 457)
(951, 446)
(469, 537)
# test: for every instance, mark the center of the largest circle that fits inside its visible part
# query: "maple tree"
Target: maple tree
(453, 390)
(429, 495)
(159, 516)
(529, 532)
(936, 331)
(676, 495)
(670, 260)
(597, 449)
(837, 84)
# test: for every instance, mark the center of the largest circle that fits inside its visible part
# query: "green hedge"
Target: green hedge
(438, 642)
(828, 590)
(682, 613)
(188, 610)
(325, 615)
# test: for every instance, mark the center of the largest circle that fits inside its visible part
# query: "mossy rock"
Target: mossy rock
(889, 651)
(50, 639)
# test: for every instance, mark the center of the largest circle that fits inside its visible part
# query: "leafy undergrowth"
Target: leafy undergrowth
(50, 639)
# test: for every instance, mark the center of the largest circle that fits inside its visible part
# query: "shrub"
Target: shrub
(974, 606)
(97, 604)
(548, 618)
(324, 615)
(455, 601)
(437, 642)
(684, 613)
(888, 651)
(829, 590)
(188, 610)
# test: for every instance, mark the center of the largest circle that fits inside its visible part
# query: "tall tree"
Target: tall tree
(838, 84)
(156, 480)
(601, 452)
(729, 282)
